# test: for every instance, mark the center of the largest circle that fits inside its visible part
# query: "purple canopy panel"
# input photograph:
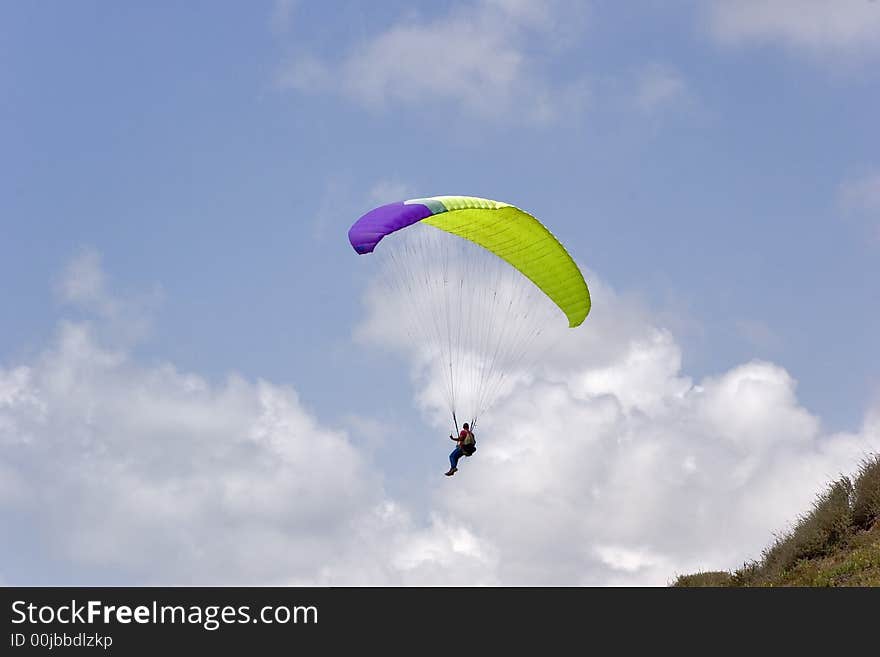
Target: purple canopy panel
(369, 230)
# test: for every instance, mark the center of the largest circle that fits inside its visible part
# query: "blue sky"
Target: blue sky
(179, 181)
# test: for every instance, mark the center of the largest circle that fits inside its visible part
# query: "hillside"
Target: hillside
(836, 543)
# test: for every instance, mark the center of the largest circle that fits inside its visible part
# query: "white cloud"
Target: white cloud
(149, 475)
(607, 465)
(479, 57)
(819, 26)
(629, 560)
(131, 467)
(84, 285)
(162, 477)
(610, 466)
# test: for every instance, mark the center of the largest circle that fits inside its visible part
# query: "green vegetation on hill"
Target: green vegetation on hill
(836, 543)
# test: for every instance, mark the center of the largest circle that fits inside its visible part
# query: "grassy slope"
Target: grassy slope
(837, 543)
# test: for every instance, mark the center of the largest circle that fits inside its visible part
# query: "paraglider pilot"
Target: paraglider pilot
(465, 447)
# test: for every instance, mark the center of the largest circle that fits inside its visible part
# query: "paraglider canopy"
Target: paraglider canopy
(476, 281)
(502, 229)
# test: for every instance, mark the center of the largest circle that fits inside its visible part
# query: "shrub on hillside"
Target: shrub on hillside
(816, 533)
(708, 578)
(834, 525)
(866, 493)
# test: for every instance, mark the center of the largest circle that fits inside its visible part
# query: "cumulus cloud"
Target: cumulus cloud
(84, 285)
(479, 57)
(843, 26)
(149, 475)
(605, 465)
(168, 477)
(610, 466)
